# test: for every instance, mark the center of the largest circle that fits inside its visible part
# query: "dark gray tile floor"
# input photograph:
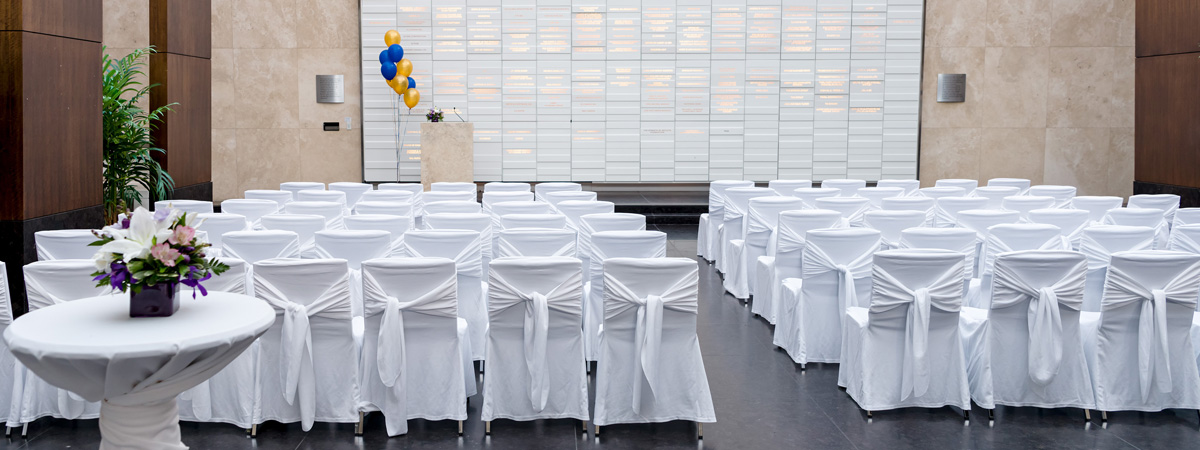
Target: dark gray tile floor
(762, 401)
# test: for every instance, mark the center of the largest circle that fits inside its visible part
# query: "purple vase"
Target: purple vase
(154, 301)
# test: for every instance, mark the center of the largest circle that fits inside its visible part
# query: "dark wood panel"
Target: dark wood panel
(1167, 27)
(186, 134)
(182, 27)
(50, 113)
(1168, 120)
(76, 19)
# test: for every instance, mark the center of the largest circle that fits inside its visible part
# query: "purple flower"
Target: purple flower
(125, 223)
(162, 214)
(191, 281)
(119, 276)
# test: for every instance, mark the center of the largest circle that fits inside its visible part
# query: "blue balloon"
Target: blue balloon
(412, 83)
(384, 57)
(388, 69)
(395, 52)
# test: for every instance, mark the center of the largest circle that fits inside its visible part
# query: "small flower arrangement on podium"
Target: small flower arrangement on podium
(434, 114)
(150, 255)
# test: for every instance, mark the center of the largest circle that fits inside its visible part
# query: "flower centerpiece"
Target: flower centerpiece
(150, 255)
(434, 114)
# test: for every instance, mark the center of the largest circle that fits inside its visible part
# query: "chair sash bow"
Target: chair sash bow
(1044, 321)
(567, 297)
(816, 262)
(1099, 256)
(945, 294)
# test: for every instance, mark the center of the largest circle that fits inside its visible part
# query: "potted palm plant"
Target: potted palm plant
(129, 165)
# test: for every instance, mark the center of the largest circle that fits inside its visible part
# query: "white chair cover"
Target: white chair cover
(465, 248)
(554, 198)
(64, 244)
(652, 369)
(451, 206)
(310, 195)
(1006, 238)
(304, 225)
(1144, 359)
(592, 223)
(910, 186)
(191, 206)
(995, 195)
(1019, 183)
(396, 226)
(251, 209)
(891, 225)
(296, 186)
(8, 363)
(913, 203)
(535, 342)
(737, 205)
(1097, 207)
(280, 197)
(605, 245)
(905, 350)
(541, 189)
(877, 194)
(942, 191)
(575, 209)
(504, 186)
(1069, 220)
(532, 207)
(413, 301)
(1062, 195)
(1099, 243)
(945, 214)
(547, 221)
(783, 259)
(959, 240)
(255, 246)
(1026, 350)
(307, 359)
(848, 186)
(836, 275)
(389, 208)
(353, 246)
(810, 195)
(1023, 204)
(853, 209)
(479, 222)
(529, 242)
(788, 187)
(331, 211)
(966, 184)
(217, 224)
(454, 186)
(760, 226)
(396, 196)
(710, 224)
(979, 220)
(1186, 216)
(448, 196)
(353, 191)
(416, 190)
(1185, 238)
(1142, 217)
(490, 198)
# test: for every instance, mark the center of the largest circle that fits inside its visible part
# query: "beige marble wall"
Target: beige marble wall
(126, 27)
(1049, 92)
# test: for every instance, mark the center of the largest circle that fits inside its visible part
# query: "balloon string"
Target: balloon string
(403, 135)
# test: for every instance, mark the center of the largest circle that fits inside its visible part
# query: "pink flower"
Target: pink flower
(165, 253)
(182, 235)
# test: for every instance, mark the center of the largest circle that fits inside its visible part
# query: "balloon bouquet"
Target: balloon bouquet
(396, 71)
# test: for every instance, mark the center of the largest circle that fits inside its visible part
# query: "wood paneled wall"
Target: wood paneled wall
(181, 31)
(1168, 95)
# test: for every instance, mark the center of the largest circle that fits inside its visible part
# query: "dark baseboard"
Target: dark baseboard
(201, 191)
(1189, 197)
(17, 246)
(666, 214)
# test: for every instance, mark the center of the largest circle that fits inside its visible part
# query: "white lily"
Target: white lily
(139, 237)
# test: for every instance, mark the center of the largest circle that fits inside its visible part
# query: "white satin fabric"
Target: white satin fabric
(573, 211)
(451, 206)
(453, 186)
(761, 223)
(945, 213)
(1186, 216)
(254, 246)
(504, 186)
(1167, 203)
(416, 191)
(848, 186)
(491, 198)
(1070, 221)
(64, 244)
(652, 369)
(354, 246)
(788, 187)
(913, 203)
(1142, 217)
(605, 245)
(331, 211)
(995, 194)
(942, 191)
(404, 209)
(836, 275)
(465, 249)
(967, 185)
(1098, 244)
(305, 226)
(910, 186)
(252, 209)
(530, 242)
(535, 346)
(338, 197)
(710, 245)
(479, 222)
(8, 363)
(554, 198)
(297, 186)
(1019, 183)
(1185, 238)
(217, 224)
(876, 195)
(810, 195)
(541, 189)
(1062, 195)
(396, 226)
(853, 209)
(353, 191)
(891, 225)
(542, 221)
(280, 197)
(1023, 204)
(1008, 238)
(783, 258)
(590, 224)
(1096, 206)
(737, 207)
(190, 206)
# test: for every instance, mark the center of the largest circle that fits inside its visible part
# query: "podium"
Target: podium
(447, 152)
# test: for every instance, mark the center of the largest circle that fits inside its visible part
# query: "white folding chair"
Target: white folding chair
(49, 283)
(836, 275)
(966, 184)
(945, 214)
(891, 225)
(255, 246)
(783, 258)
(465, 248)
(1026, 349)
(1011, 237)
(280, 197)
(1096, 206)
(1062, 195)
(995, 195)
(905, 350)
(504, 186)
(710, 223)
(191, 206)
(590, 224)
(312, 195)
(942, 191)
(251, 209)
(1142, 217)
(912, 203)
(810, 195)
(332, 212)
(387, 208)
(853, 209)
(651, 369)
(528, 242)
(535, 341)
(353, 246)
(788, 187)
(848, 186)
(910, 186)
(490, 198)
(1138, 347)
(737, 205)
(451, 206)
(541, 189)
(1019, 183)
(8, 363)
(448, 196)
(64, 244)
(1099, 243)
(217, 224)
(554, 198)
(353, 191)
(1070, 221)
(761, 223)
(877, 194)
(453, 186)
(479, 222)
(549, 221)
(606, 245)
(297, 186)
(413, 301)
(1185, 238)
(308, 363)
(304, 225)
(1023, 204)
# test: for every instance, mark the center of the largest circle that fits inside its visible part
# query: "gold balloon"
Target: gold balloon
(404, 68)
(411, 97)
(399, 85)
(392, 37)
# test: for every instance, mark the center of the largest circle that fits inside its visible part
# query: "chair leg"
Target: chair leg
(966, 415)
(358, 428)
(991, 414)
(699, 430)
(596, 432)
(869, 415)
(584, 426)
(460, 431)
(1087, 415)
(1104, 416)
(487, 427)
(254, 430)
(24, 430)
(7, 431)
(803, 367)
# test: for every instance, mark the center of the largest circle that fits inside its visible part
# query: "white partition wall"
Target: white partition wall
(654, 90)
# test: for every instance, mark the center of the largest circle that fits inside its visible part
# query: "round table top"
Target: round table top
(101, 325)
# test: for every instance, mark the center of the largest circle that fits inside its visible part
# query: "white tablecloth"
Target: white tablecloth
(136, 365)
